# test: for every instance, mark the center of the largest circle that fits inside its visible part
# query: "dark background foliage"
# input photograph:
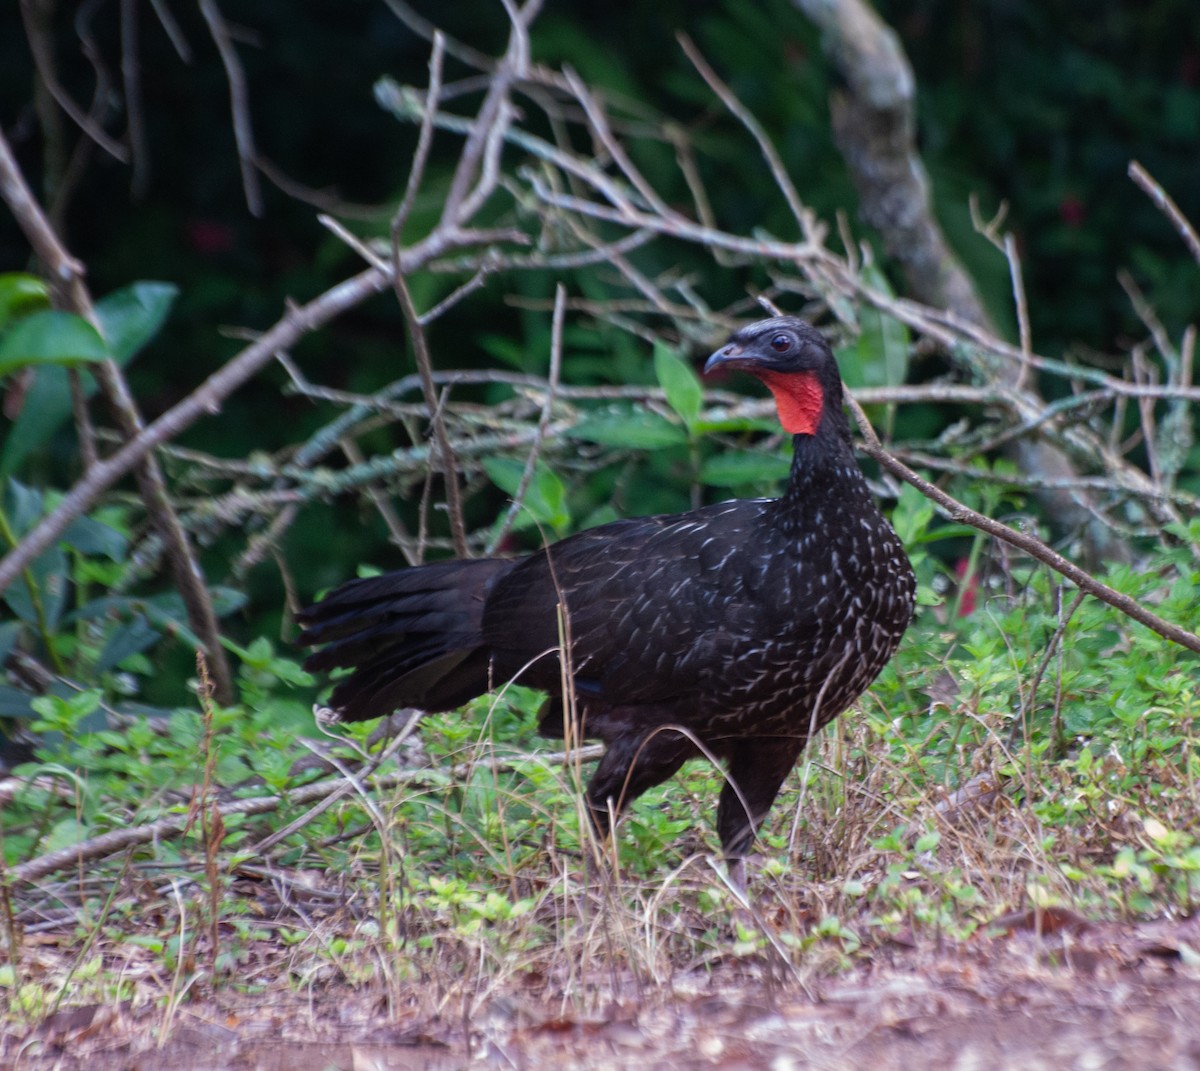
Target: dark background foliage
(1040, 105)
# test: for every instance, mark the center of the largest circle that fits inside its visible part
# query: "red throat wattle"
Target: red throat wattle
(799, 399)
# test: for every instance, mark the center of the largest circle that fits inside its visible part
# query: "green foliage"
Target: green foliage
(43, 340)
(50, 337)
(71, 612)
(544, 502)
(634, 429)
(20, 295)
(679, 383)
(93, 775)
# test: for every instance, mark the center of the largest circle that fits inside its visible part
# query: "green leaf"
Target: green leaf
(22, 506)
(545, 500)
(879, 356)
(679, 383)
(20, 294)
(132, 316)
(912, 515)
(129, 319)
(50, 337)
(46, 408)
(125, 640)
(50, 581)
(737, 470)
(635, 429)
(95, 539)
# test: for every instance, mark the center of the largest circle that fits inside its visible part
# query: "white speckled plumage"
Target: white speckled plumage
(750, 624)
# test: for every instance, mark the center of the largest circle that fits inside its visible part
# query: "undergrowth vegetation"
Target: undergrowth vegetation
(1023, 750)
(559, 256)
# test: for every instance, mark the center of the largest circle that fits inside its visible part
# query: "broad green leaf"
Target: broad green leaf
(679, 383)
(126, 639)
(169, 608)
(634, 429)
(46, 407)
(20, 293)
(736, 423)
(94, 538)
(132, 316)
(879, 356)
(545, 498)
(505, 348)
(22, 506)
(65, 834)
(129, 318)
(50, 337)
(737, 470)
(50, 580)
(912, 515)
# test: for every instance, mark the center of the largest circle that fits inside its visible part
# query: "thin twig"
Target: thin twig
(1163, 202)
(416, 171)
(132, 84)
(262, 847)
(556, 346)
(1025, 333)
(800, 212)
(239, 103)
(449, 463)
(41, 47)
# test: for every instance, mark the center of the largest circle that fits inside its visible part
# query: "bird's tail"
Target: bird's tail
(413, 638)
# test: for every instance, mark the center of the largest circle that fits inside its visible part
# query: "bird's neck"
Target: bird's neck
(824, 475)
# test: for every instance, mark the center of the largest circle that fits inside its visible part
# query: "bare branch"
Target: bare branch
(802, 214)
(424, 141)
(449, 464)
(556, 345)
(239, 102)
(1163, 202)
(40, 44)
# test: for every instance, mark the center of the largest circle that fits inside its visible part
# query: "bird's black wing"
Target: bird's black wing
(655, 607)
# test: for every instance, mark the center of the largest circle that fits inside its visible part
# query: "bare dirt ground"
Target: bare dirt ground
(1077, 995)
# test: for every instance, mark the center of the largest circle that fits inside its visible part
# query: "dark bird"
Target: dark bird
(743, 627)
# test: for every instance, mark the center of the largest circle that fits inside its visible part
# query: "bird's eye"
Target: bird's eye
(781, 343)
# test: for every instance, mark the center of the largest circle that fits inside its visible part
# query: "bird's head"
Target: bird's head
(793, 359)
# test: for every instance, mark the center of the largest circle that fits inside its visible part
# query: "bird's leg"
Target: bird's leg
(631, 765)
(757, 769)
(736, 868)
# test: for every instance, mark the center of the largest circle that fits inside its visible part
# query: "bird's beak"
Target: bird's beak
(727, 357)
